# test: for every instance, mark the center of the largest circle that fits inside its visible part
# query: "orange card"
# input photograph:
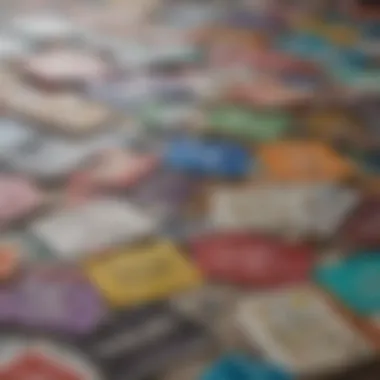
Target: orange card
(303, 161)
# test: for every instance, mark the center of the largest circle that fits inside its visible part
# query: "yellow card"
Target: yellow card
(143, 273)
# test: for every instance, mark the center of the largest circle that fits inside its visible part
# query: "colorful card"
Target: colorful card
(73, 234)
(354, 281)
(332, 125)
(213, 158)
(59, 300)
(298, 329)
(139, 342)
(297, 209)
(164, 193)
(25, 357)
(112, 169)
(65, 67)
(63, 112)
(142, 273)
(169, 116)
(51, 158)
(236, 366)
(252, 260)
(18, 198)
(303, 161)
(270, 93)
(245, 123)
(361, 228)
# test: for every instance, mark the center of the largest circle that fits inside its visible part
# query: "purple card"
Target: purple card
(65, 303)
(164, 192)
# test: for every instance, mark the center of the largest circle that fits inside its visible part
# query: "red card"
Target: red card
(252, 260)
(36, 366)
(362, 227)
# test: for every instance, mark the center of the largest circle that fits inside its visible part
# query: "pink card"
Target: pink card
(18, 198)
(114, 169)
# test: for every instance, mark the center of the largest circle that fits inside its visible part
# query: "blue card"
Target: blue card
(216, 158)
(241, 367)
(355, 281)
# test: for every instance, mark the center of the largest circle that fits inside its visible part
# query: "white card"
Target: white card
(11, 48)
(298, 329)
(332, 205)
(43, 27)
(95, 226)
(13, 134)
(316, 209)
(51, 158)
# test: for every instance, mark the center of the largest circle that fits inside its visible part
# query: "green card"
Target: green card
(247, 123)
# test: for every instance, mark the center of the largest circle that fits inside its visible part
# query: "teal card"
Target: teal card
(355, 281)
(241, 367)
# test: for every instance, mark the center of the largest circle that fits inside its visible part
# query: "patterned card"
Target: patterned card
(303, 161)
(51, 158)
(143, 273)
(59, 300)
(65, 66)
(245, 123)
(113, 169)
(64, 112)
(299, 209)
(298, 329)
(43, 27)
(139, 342)
(254, 260)
(164, 193)
(94, 226)
(361, 228)
(354, 281)
(238, 366)
(212, 158)
(18, 198)
(24, 358)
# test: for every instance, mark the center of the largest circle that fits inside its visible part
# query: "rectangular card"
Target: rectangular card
(51, 158)
(142, 273)
(94, 226)
(353, 281)
(245, 123)
(18, 198)
(361, 228)
(60, 300)
(297, 328)
(315, 209)
(116, 169)
(143, 341)
(253, 260)
(163, 193)
(66, 113)
(303, 161)
(218, 158)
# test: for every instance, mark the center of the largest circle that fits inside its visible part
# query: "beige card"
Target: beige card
(66, 112)
(297, 328)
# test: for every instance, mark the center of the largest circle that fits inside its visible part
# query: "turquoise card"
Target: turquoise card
(355, 281)
(241, 367)
(306, 46)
